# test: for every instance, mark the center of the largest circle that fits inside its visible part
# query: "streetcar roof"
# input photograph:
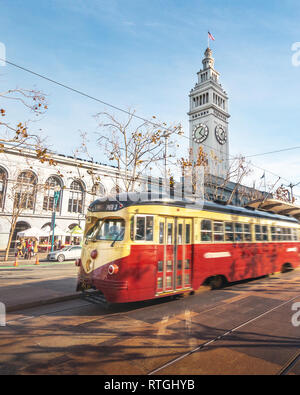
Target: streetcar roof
(117, 202)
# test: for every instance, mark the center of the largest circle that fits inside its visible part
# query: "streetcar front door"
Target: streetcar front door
(174, 254)
(183, 253)
(187, 261)
(170, 255)
(166, 255)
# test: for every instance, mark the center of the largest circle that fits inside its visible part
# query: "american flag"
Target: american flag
(211, 36)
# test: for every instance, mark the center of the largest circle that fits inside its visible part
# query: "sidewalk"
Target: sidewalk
(30, 285)
(26, 262)
(11, 259)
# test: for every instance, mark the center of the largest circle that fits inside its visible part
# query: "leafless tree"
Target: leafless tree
(19, 133)
(134, 147)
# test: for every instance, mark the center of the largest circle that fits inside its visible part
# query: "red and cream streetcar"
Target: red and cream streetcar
(142, 250)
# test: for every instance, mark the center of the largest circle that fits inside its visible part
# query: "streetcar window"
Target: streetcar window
(170, 233)
(218, 231)
(149, 228)
(229, 231)
(247, 232)
(107, 229)
(264, 233)
(160, 266)
(140, 228)
(294, 234)
(206, 230)
(258, 233)
(179, 238)
(273, 233)
(144, 228)
(284, 236)
(161, 233)
(287, 234)
(187, 234)
(238, 235)
(279, 235)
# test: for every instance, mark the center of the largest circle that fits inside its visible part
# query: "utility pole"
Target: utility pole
(166, 136)
(56, 198)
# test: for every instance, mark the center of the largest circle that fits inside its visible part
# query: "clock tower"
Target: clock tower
(208, 118)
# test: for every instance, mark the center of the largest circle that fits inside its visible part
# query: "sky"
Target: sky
(145, 56)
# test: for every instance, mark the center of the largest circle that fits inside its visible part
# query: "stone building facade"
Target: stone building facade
(23, 174)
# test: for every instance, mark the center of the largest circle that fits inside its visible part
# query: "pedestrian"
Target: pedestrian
(19, 249)
(23, 247)
(26, 253)
(35, 247)
(30, 249)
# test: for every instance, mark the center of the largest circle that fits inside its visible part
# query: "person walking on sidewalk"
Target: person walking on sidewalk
(30, 249)
(35, 247)
(19, 249)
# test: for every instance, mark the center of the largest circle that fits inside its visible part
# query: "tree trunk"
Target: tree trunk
(12, 229)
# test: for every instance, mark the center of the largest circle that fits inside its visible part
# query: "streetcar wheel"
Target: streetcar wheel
(287, 267)
(216, 282)
(61, 258)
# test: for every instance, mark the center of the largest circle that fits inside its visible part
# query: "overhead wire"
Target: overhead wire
(229, 157)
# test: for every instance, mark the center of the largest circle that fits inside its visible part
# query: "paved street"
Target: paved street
(29, 284)
(242, 329)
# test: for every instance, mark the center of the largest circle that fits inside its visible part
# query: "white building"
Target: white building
(21, 171)
(208, 118)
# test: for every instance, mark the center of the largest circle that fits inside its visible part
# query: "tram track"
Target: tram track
(283, 371)
(94, 298)
(289, 365)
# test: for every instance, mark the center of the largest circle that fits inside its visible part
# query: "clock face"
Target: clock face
(221, 134)
(200, 133)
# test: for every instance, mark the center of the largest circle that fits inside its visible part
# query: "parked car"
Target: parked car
(71, 252)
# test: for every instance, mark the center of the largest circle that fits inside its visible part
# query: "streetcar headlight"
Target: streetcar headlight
(94, 254)
(113, 269)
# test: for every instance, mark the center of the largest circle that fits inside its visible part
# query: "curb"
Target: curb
(31, 264)
(25, 306)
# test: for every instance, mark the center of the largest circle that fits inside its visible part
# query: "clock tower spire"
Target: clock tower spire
(208, 117)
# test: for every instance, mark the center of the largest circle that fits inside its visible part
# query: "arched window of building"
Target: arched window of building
(25, 190)
(115, 190)
(76, 197)
(52, 184)
(98, 190)
(20, 227)
(3, 184)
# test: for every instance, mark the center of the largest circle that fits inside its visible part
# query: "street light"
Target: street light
(166, 136)
(56, 199)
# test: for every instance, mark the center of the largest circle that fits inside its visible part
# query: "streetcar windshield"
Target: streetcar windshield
(107, 229)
